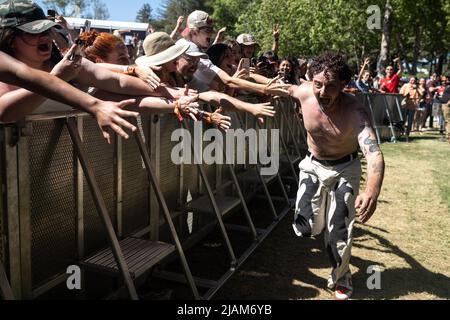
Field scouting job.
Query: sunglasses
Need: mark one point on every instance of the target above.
(207, 29)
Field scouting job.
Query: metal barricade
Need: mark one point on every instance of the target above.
(387, 118)
(49, 218)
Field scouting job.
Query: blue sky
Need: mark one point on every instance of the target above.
(125, 10)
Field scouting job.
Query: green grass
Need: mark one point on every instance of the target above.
(408, 238)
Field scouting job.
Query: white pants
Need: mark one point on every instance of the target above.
(326, 200)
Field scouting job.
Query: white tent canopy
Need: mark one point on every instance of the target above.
(106, 24)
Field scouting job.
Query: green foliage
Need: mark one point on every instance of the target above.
(144, 14)
(421, 28)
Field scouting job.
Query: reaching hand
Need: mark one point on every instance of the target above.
(68, 69)
(223, 122)
(366, 61)
(110, 115)
(146, 74)
(276, 89)
(262, 109)
(189, 104)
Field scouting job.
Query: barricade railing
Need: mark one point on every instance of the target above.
(387, 118)
(55, 209)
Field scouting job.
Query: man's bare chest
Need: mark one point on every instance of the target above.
(320, 124)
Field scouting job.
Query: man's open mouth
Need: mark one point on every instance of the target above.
(324, 102)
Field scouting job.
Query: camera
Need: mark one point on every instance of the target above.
(51, 13)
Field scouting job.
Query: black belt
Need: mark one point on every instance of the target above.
(330, 163)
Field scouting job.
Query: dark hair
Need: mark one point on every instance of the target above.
(290, 77)
(217, 53)
(7, 36)
(265, 68)
(333, 63)
(231, 43)
(270, 55)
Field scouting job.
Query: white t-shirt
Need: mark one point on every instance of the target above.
(205, 74)
(206, 71)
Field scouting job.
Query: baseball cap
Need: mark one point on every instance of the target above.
(199, 19)
(193, 50)
(24, 15)
(246, 39)
(159, 48)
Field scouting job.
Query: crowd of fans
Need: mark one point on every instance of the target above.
(176, 73)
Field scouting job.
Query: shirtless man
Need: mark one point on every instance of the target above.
(330, 175)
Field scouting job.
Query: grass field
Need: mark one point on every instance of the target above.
(408, 238)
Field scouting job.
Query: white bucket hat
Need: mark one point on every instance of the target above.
(159, 49)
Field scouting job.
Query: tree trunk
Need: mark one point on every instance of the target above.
(416, 52)
(403, 51)
(441, 62)
(386, 38)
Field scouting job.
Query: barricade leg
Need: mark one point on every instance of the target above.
(163, 205)
(5, 288)
(101, 208)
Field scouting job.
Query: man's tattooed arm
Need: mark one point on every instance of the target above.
(375, 160)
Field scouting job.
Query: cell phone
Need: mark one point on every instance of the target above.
(78, 49)
(245, 63)
(87, 26)
(51, 13)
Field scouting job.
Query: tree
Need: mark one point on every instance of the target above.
(144, 14)
(386, 38)
(172, 9)
(67, 8)
(99, 10)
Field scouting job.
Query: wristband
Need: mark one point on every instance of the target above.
(177, 111)
(131, 70)
(207, 118)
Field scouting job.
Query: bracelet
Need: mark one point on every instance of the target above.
(131, 70)
(177, 111)
(207, 117)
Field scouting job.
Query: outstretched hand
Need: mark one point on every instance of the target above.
(276, 89)
(148, 75)
(110, 115)
(189, 104)
(223, 122)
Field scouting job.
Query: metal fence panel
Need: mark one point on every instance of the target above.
(101, 156)
(53, 211)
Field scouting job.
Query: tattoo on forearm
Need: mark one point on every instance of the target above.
(378, 168)
(372, 145)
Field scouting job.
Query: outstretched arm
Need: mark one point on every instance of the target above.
(367, 201)
(178, 27)
(363, 68)
(108, 114)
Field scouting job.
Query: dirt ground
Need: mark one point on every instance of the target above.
(408, 239)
